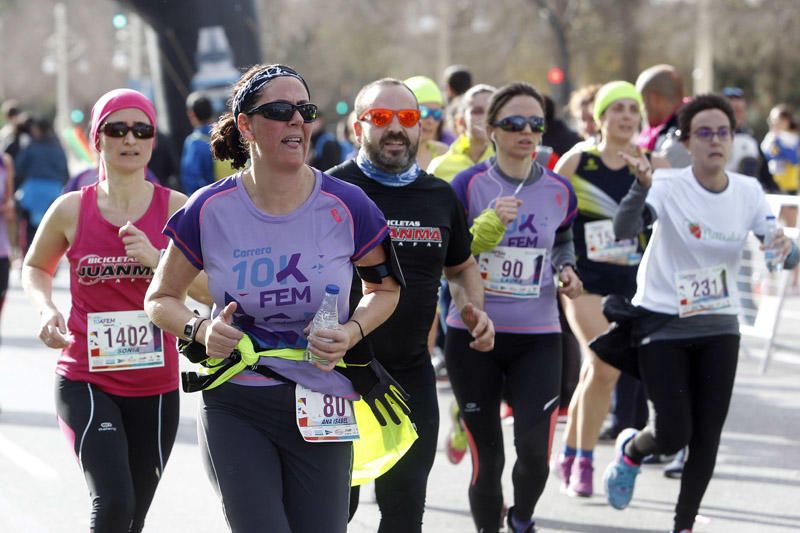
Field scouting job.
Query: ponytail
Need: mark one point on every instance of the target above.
(226, 142)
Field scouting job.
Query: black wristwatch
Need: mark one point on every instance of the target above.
(562, 267)
(191, 327)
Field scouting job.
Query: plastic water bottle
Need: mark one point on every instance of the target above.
(327, 317)
(772, 255)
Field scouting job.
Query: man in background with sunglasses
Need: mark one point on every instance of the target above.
(430, 233)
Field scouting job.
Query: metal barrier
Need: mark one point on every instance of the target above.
(763, 293)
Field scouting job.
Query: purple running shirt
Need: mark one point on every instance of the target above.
(276, 267)
(548, 204)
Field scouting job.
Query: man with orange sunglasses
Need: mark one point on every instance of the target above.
(430, 234)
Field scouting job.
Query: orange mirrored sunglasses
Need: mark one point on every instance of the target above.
(381, 117)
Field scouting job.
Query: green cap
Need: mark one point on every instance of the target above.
(425, 89)
(613, 91)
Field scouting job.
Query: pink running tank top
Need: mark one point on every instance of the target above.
(121, 354)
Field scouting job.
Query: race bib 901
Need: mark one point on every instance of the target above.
(514, 272)
(123, 340)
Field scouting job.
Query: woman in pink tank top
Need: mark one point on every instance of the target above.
(117, 376)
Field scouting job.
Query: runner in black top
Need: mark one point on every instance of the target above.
(430, 234)
(601, 177)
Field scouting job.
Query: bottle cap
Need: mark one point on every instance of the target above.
(332, 289)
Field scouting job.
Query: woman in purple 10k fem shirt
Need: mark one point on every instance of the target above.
(532, 209)
(270, 238)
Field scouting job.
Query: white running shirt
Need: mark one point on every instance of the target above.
(696, 228)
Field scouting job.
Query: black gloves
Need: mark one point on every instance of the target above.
(374, 384)
(192, 350)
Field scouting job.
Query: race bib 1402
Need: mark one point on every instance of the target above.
(123, 340)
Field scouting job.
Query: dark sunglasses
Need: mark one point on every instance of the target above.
(427, 112)
(733, 92)
(380, 117)
(518, 122)
(120, 129)
(284, 111)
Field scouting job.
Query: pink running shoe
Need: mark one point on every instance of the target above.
(580, 480)
(562, 466)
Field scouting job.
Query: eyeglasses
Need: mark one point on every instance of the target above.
(707, 134)
(284, 111)
(120, 129)
(518, 122)
(427, 112)
(380, 117)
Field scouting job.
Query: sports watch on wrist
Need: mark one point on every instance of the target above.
(565, 265)
(190, 329)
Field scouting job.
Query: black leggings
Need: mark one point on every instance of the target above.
(401, 491)
(5, 267)
(267, 476)
(570, 359)
(530, 368)
(689, 383)
(122, 444)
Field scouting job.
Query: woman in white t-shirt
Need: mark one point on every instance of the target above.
(702, 216)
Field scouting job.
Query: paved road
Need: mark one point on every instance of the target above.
(756, 487)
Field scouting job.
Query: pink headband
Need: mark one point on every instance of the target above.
(114, 101)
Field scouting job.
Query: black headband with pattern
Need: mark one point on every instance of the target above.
(259, 81)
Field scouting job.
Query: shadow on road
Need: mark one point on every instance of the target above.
(12, 341)
(733, 514)
(187, 432)
(590, 528)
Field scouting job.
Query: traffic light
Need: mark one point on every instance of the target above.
(119, 21)
(555, 76)
(76, 116)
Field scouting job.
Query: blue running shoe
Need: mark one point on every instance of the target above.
(515, 527)
(620, 476)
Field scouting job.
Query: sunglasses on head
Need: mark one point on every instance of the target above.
(284, 111)
(380, 117)
(120, 129)
(427, 112)
(518, 122)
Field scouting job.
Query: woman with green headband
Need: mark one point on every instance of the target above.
(431, 113)
(601, 178)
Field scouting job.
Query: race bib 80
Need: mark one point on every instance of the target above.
(323, 417)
